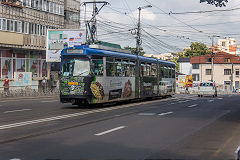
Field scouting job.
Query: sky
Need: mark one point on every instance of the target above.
(162, 32)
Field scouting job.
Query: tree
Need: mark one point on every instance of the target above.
(217, 3)
(174, 60)
(133, 50)
(197, 49)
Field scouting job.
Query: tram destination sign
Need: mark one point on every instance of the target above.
(58, 39)
(74, 51)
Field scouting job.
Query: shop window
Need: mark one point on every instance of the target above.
(34, 65)
(44, 68)
(20, 66)
(7, 67)
(97, 67)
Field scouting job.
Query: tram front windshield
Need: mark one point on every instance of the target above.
(76, 67)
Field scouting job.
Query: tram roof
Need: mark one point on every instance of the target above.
(113, 52)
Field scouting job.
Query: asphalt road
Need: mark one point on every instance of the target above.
(179, 127)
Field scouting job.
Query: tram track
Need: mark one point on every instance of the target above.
(130, 109)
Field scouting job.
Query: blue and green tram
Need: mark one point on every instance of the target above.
(93, 74)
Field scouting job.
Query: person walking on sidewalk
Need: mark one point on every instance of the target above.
(6, 86)
(44, 85)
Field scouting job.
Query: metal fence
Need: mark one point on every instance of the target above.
(221, 89)
(27, 92)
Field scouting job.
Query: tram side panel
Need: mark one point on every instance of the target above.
(107, 89)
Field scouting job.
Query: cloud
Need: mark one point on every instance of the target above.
(145, 14)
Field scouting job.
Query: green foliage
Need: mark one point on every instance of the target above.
(197, 49)
(217, 3)
(133, 50)
(174, 60)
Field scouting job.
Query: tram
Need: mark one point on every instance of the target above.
(92, 74)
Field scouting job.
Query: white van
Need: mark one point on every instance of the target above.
(207, 88)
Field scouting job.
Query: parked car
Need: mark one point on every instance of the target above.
(207, 88)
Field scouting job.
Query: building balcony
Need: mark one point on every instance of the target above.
(13, 3)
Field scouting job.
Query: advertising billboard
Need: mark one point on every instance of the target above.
(58, 39)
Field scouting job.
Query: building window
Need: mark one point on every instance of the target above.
(227, 60)
(195, 66)
(208, 71)
(195, 77)
(237, 72)
(227, 82)
(4, 24)
(19, 26)
(223, 44)
(11, 25)
(227, 71)
(209, 60)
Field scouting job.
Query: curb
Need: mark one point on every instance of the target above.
(22, 98)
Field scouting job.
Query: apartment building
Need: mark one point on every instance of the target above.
(23, 29)
(223, 63)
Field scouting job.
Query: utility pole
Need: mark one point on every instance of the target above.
(212, 57)
(212, 60)
(91, 28)
(138, 46)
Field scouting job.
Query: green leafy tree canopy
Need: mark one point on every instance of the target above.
(217, 3)
(133, 50)
(197, 49)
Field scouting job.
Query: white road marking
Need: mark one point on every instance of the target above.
(219, 98)
(163, 114)
(146, 114)
(20, 110)
(211, 100)
(109, 131)
(49, 101)
(14, 125)
(194, 105)
(15, 159)
(172, 103)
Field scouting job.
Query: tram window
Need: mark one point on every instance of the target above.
(132, 69)
(110, 67)
(98, 67)
(119, 68)
(143, 70)
(154, 70)
(173, 72)
(148, 70)
(161, 71)
(125, 68)
(169, 72)
(165, 70)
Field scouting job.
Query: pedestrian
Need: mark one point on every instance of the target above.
(6, 86)
(44, 84)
